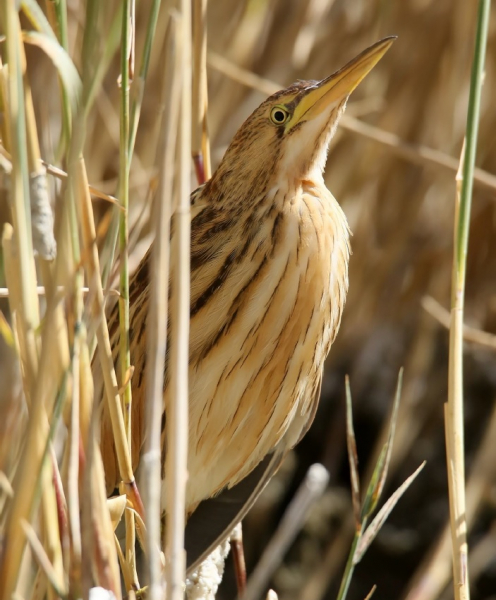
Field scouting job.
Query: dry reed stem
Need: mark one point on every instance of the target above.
(177, 415)
(41, 291)
(453, 409)
(414, 153)
(124, 165)
(46, 566)
(131, 551)
(14, 103)
(200, 146)
(50, 525)
(470, 334)
(62, 175)
(124, 565)
(434, 574)
(44, 244)
(12, 268)
(92, 267)
(41, 212)
(98, 536)
(126, 75)
(54, 345)
(37, 434)
(72, 450)
(238, 552)
(455, 454)
(158, 311)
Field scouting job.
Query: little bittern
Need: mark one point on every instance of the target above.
(269, 277)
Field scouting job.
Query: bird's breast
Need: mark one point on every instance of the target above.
(268, 306)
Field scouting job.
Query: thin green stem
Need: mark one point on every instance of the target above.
(112, 39)
(471, 141)
(138, 87)
(350, 565)
(454, 424)
(139, 83)
(61, 14)
(90, 39)
(125, 359)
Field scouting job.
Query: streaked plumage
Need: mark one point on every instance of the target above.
(269, 277)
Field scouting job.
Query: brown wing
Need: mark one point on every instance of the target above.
(203, 217)
(214, 519)
(313, 407)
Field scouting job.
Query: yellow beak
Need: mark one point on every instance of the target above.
(340, 84)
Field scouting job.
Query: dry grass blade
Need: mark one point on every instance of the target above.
(372, 495)
(43, 560)
(352, 456)
(379, 475)
(378, 521)
(371, 593)
(60, 59)
(116, 506)
(62, 175)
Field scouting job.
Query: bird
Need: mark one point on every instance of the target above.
(270, 248)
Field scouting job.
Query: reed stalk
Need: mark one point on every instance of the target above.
(454, 425)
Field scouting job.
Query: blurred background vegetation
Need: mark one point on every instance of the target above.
(399, 199)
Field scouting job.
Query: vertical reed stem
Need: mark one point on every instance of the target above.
(125, 359)
(157, 331)
(177, 416)
(454, 406)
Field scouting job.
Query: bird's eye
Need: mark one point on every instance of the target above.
(279, 115)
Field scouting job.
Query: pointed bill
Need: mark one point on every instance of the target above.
(339, 85)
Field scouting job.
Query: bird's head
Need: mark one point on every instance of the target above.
(287, 137)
